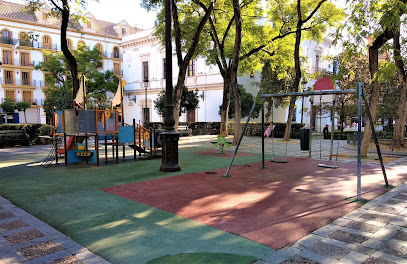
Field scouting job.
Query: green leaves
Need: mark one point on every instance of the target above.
(189, 101)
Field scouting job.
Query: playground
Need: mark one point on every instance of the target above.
(132, 213)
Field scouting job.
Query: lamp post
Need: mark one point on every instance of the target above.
(145, 82)
(303, 84)
(169, 138)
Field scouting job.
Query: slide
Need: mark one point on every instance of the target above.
(62, 150)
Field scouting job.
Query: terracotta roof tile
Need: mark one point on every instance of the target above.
(16, 12)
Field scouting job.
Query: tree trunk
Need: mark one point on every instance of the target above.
(374, 100)
(297, 68)
(375, 91)
(65, 50)
(177, 96)
(400, 120)
(269, 109)
(225, 106)
(184, 62)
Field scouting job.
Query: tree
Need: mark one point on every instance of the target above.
(313, 18)
(274, 80)
(379, 22)
(189, 19)
(22, 106)
(59, 92)
(62, 9)
(246, 104)
(189, 101)
(8, 106)
(351, 71)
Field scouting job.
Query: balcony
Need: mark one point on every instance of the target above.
(8, 81)
(18, 62)
(112, 55)
(31, 101)
(320, 70)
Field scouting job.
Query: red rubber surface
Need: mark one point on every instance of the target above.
(274, 206)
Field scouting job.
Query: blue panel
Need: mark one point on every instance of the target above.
(59, 122)
(102, 135)
(126, 134)
(16, 118)
(72, 158)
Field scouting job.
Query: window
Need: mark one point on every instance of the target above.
(24, 59)
(317, 62)
(191, 68)
(191, 116)
(44, 58)
(6, 36)
(81, 43)
(99, 47)
(145, 71)
(123, 31)
(101, 65)
(164, 70)
(27, 97)
(69, 43)
(44, 16)
(7, 57)
(117, 69)
(146, 114)
(46, 42)
(116, 53)
(89, 24)
(25, 78)
(24, 39)
(8, 77)
(11, 94)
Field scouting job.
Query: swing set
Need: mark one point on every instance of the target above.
(359, 91)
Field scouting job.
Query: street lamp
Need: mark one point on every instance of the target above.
(169, 138)
(303, 84)
(145, 82)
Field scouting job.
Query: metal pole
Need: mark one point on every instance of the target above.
(169, 157)
(359, 139)
(332, 127)
(240, 139)
(262, 136)
(302, 109)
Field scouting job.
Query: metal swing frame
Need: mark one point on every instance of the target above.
(359, 95)
(320, 164)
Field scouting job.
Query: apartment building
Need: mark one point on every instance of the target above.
(24, 37)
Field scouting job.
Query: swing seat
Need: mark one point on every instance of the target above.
(327, 166)
(279, 161)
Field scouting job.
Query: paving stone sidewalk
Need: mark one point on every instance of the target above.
(25, 239)
(374, 233)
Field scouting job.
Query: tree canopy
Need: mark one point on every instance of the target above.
(59, 81)
(189, 101)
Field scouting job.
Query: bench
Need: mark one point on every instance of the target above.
(10, 138)
(184, 130)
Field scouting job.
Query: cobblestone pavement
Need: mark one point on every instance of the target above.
(374, 233)
(25, 239)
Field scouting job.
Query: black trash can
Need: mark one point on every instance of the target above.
(304, 138)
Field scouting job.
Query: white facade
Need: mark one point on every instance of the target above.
(144, 47)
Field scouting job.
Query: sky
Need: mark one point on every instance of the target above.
(117, 10)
